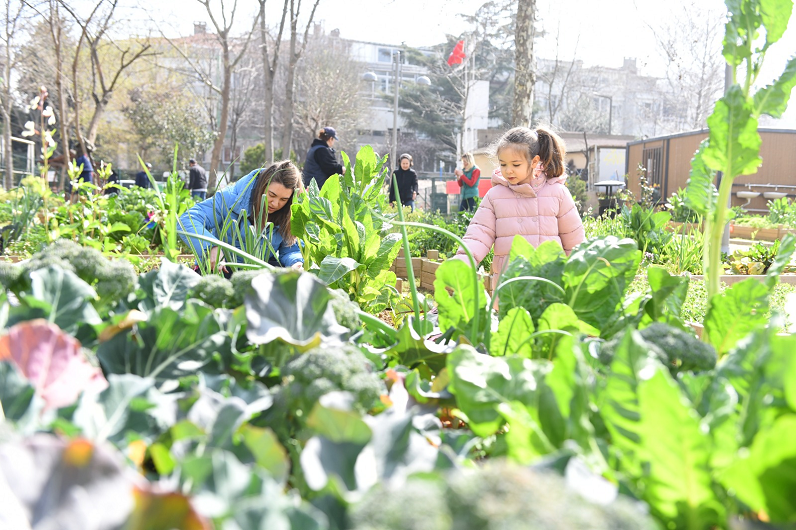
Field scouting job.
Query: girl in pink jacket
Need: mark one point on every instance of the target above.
(528, 198)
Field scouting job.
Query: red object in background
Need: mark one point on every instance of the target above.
(457, 55)
(453, 188)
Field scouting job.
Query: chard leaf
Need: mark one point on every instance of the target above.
(701, 192)
(513, 334)
(458, 299)
(678, 483)
(596, 276)
(481, 383)
(773, 99)
(668, 294)
(734, 145)
(332, 269)
(735, 313)
(765, 477)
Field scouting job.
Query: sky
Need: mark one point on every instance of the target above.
(599, 33)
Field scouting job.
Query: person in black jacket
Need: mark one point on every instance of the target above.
(142, 179)
(407, 182)
(197, 181)
(321, 162)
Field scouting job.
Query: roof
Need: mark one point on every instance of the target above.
(704, 132)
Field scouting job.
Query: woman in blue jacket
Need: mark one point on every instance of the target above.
(263, 196)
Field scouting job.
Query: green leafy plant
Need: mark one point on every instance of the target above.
(345, 230)
(733, 146)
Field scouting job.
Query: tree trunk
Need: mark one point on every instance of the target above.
(218, 145)
(268, 82)
(287, 134)
(8, 151)
(93, 127)
(63, 120)
(7, 108)
(525, 74)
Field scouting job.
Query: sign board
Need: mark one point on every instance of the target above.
(610, 164)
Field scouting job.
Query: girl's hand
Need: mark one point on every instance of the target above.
(297, 266)
(214, 260)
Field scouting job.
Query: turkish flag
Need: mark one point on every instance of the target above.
(457, 55)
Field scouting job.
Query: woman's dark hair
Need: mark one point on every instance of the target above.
(289, 176)
(542, 142)
(324, 136)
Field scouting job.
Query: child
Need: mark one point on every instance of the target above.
(528, 198)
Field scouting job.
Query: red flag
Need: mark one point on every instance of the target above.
(457, 55)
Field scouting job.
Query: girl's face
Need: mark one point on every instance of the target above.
(514, 166)
(278, 195)
(465, 163)
(404, 164)
(330, 142)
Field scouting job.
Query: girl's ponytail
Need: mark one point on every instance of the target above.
(551, 152)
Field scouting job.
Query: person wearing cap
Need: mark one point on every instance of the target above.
(321, 162)
(197, 181)
(406, 178)
(142, 179)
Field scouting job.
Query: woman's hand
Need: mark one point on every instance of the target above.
(297, 266)
(214, 260)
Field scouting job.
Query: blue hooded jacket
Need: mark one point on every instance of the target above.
(208, 217)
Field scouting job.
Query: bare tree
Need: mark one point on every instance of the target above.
(525, 75)
(270, 64)
(296, 51)
(691, 45)
(12, 16)
(557, 78)
(327, 58)
(232, 52)
(105, 78)
(241, 106)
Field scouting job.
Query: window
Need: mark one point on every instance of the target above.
(652, 158)
(385, 55)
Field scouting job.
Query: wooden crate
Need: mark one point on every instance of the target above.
(433, 254)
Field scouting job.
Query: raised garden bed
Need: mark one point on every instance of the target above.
(765, 234)
(426, 270)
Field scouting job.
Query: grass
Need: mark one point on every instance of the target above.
(696, 303)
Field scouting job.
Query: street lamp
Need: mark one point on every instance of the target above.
(421, 80)
(610, 110)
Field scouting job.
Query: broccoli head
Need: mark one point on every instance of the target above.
(9, 274)
(214, 290)
(345, 311)
(677, 350)
(113, 280)
(496, 496)
(338, 367)
(241, 283)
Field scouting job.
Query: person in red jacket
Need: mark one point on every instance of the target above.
(468, 182)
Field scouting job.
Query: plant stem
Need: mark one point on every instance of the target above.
(473, 264)
(410, 273)
(716, 234)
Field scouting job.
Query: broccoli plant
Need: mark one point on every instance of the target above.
(677, 350)
(214, 290)
(113, 280)
(332, 367)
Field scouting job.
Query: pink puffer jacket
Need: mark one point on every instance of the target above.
(540, 211)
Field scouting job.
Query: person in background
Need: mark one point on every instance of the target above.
(197, 180)
(266, 196)
(407, 182)
(321, 162)
(112, 186)
(528, 198)
(468, 182)
(87, 175)
(142, 179)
